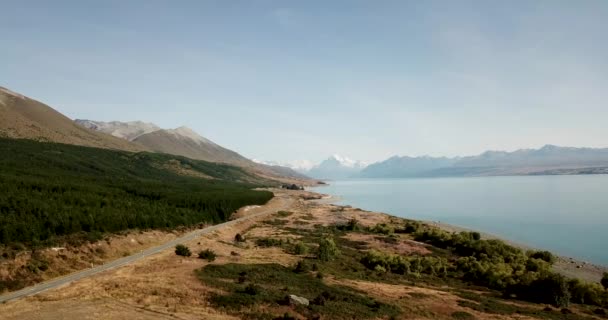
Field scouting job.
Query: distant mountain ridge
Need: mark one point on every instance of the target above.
(549, 159)
(184, 141)
(336, 167)
(124, 130)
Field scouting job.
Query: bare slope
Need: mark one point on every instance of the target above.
(185, 142)
(125, 130)
(22, 117)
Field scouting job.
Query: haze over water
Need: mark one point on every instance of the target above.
(567, 215)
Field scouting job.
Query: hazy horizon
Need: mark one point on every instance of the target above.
(284, 81)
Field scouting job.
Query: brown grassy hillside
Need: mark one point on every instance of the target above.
(22, 117)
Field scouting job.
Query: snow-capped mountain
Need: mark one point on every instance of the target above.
(549, 159)
(302, 166)
(334, 167)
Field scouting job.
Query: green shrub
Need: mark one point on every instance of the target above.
(182, 250)
(300, 248)
(383, 262)
(301, 267)
(327, 250)
(269, 242)
(410, 227)
(252, 289)
(383, 228)
(207, 254)
(462, 315)
(351, 225)
(604, 280)
(284, 214)
(285, 316)
(543, 255)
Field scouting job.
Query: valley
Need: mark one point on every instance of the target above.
(282, 242)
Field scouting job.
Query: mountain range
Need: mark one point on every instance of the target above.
(333, 168)
(25, 118)
(184, 141)
(549, 159)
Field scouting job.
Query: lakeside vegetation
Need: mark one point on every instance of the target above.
(488, 276)
(50, 190)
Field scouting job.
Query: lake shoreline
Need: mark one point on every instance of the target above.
(567, 266)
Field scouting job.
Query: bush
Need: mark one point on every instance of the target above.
(604, 280)
(284, 214)
(300, 248)
(269, 242)
(543, 255)
(383, 228)
(351, 225)
(327, 250)
(285, 316)
(182, 250)
(207, 254)
(462, 315)
(410, 227)
(252, 289)
(239, 238)
(301, 267)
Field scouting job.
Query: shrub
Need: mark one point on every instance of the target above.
(285, 316)
(269, 242)
(252, 289)
(410, 227)
(182, 250)
(284, 214)
(301, 267)
(383, 228)
(543, 255)
(327, 250)
(604, 280)
(239, 238)
(300, 248)
(351, 225)
(207, 254)
(462, 315)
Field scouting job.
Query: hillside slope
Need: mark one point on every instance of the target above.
(22, 117)
(185, 142)
(93, 189)
(124, 130)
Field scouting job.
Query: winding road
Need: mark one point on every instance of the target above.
(283, 203)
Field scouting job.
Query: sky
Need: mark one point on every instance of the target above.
(288, 80)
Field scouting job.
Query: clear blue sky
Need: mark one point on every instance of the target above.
(285, 80)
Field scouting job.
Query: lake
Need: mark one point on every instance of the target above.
(567, 215)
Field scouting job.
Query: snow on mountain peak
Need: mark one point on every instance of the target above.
(347, 162)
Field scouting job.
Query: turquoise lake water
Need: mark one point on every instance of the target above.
(567, 215)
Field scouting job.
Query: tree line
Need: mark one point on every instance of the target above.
(49, 190)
